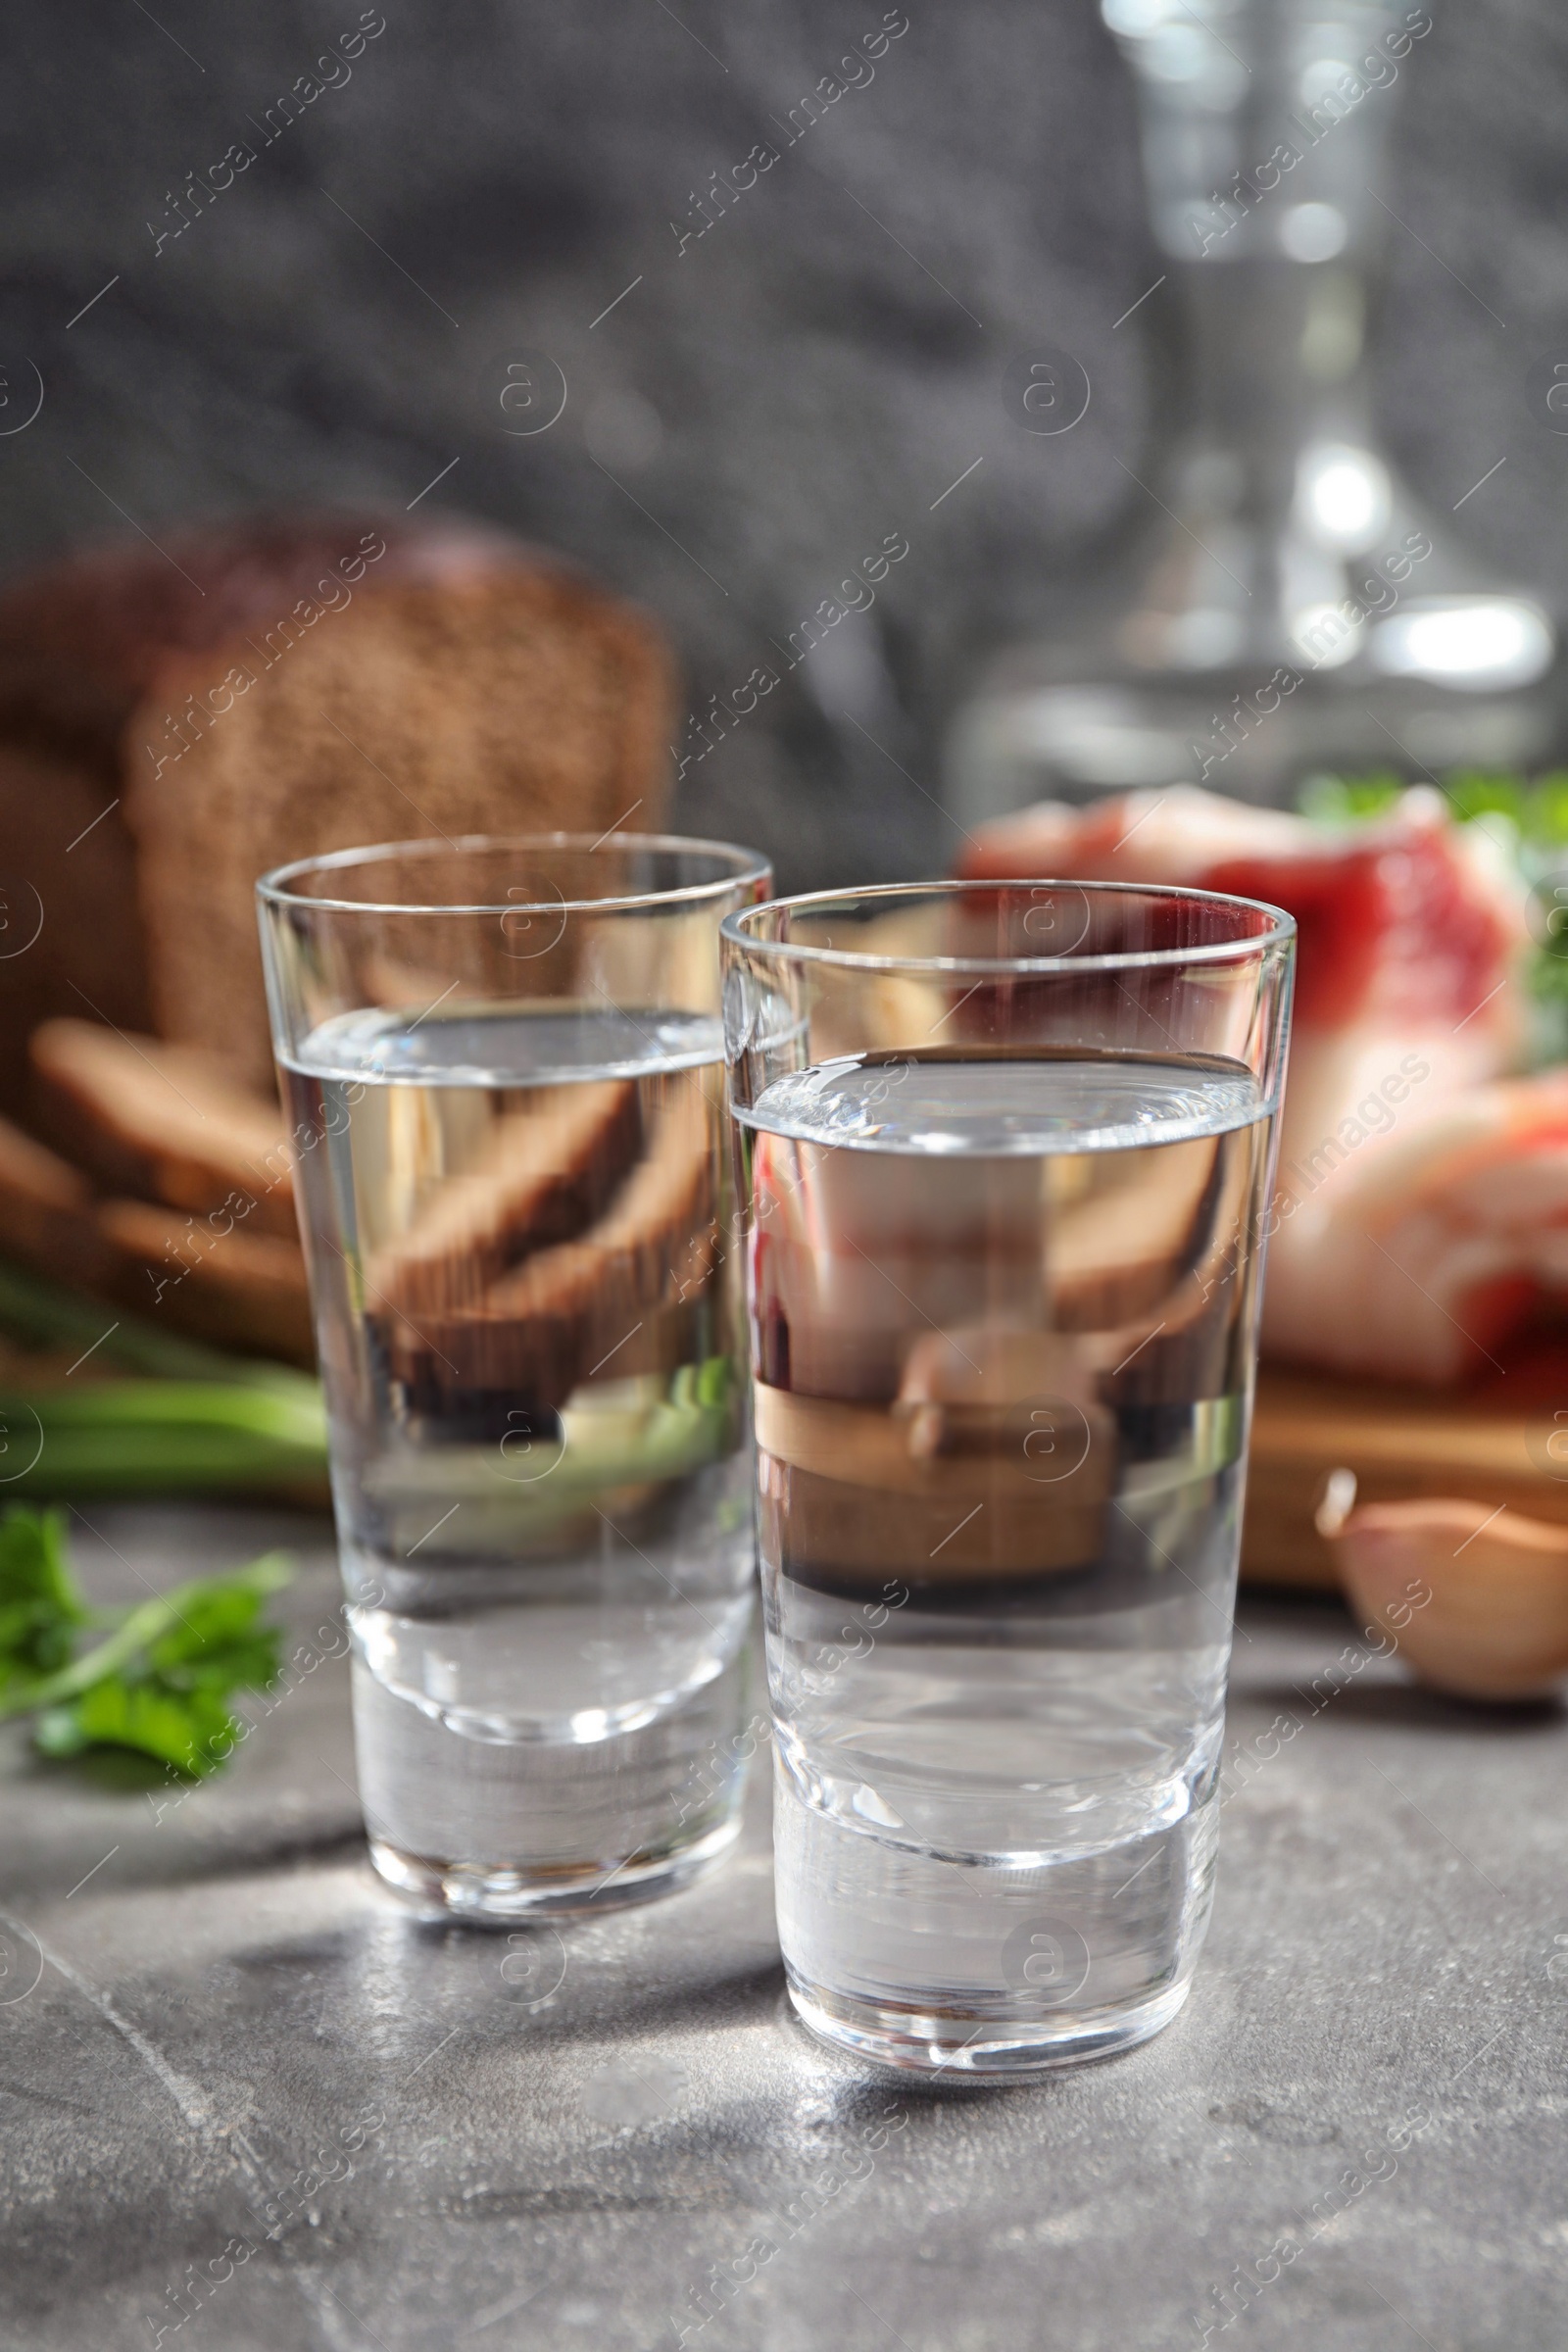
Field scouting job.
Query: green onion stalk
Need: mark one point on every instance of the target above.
(185, 1420)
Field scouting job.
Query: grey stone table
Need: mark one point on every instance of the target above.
(248, 2101)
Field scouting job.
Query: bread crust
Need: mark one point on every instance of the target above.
(560, 1316)
(183, 720)
(83, 640)
(235, 1288)
(164, 1122)
(363, 726)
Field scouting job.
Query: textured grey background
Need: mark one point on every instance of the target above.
(561, 2135)
(802, 381)
(228, 1990)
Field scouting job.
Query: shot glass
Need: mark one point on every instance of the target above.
(502, 1066)
(1005, 1152)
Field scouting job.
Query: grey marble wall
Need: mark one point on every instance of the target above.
(765, 404)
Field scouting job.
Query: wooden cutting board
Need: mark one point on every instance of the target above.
(1400, 1443)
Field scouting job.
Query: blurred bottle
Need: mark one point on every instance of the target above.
(1288, 605)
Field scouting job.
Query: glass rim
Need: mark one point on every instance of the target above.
(1282, 929)
(746, 865)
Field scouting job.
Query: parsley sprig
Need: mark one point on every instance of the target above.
(161, 1678)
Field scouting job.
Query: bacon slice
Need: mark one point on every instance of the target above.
(855, 1255)
(1410, 1004)
(1422, 1261)
(1410, 922)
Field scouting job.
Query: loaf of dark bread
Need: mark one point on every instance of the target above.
(174, 720)
(177, 720)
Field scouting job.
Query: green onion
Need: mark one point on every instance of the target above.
(202, 1423)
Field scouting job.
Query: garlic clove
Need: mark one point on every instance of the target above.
(1476, 1599)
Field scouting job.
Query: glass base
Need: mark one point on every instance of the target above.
(993, 2052)
(495, 1894)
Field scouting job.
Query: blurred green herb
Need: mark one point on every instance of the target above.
(1345, 799)
(1537, 811)
(160, 1680)
(188, 1420)
(40, 1607)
